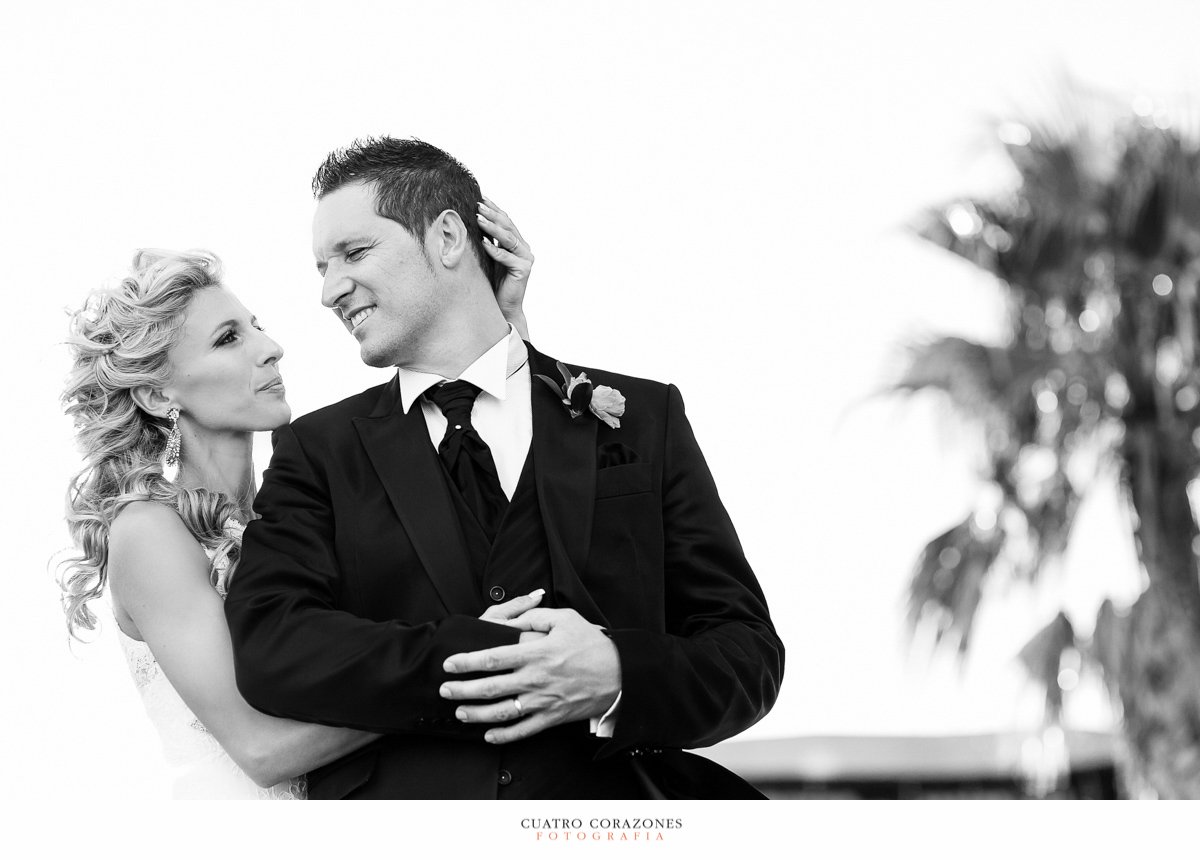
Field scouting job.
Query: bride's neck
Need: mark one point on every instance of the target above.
(221, 464)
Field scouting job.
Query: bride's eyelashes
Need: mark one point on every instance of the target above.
(230, 335)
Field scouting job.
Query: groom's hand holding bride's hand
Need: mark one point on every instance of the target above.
(563, 669)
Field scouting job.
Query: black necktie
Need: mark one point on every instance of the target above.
(467, 457)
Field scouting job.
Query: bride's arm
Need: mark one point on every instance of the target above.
(159, 577)
(509, 249)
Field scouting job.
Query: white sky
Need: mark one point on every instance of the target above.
(714, 193)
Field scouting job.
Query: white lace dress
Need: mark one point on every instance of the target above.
(201, 769)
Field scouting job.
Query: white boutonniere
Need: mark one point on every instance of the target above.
(579, 395)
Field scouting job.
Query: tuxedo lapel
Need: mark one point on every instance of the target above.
(399, 448)
(564, 456)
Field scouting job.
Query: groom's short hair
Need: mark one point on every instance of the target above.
(414, 182)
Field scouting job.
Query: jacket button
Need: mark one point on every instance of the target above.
(496, 593)
(504, 777)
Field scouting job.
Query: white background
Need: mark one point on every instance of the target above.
(716, 194)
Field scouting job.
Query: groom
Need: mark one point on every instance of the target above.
(482, 471)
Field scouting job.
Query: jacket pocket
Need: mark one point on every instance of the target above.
(623, 480)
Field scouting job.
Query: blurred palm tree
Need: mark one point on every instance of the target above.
(1097, 249)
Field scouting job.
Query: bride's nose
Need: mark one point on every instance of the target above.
(271, 352)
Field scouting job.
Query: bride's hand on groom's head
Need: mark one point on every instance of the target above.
(505, 612)
(510, 250)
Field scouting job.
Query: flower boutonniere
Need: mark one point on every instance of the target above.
(579, 395)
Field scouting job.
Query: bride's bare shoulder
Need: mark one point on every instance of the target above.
(142, 521)
(153, 562)
(148, 537)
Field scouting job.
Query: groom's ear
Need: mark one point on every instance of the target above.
(151, 400)
(449, 238)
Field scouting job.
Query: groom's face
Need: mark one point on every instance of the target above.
(378, 279)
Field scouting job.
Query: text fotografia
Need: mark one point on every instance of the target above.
(600, 829)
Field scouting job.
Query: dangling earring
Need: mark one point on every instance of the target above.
(173, 438)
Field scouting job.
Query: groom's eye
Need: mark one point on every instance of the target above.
(355, 254)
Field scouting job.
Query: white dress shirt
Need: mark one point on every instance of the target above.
(503, 418)
(502, 414)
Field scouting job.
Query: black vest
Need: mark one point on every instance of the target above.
(519, 559)
(549, 764)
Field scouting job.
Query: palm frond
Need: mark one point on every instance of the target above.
(1042, 658)
(948, 579)
(973, 375)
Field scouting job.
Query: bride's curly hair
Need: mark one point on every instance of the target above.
(119, 340)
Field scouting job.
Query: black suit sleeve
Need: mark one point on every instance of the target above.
(296, 655)
(717, 667)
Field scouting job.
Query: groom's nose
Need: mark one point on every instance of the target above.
(335, 286)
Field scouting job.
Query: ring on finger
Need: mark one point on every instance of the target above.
(517, 706)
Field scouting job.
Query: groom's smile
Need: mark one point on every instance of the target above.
(354, 318)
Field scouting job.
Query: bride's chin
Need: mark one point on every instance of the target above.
(280, 417)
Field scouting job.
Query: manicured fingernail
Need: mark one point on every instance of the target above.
(460, 715)
(444, 691)
(537, 593)
(480, 218)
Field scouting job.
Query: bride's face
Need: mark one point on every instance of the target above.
(224, 369)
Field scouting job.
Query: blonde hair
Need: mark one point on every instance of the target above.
(119, 341)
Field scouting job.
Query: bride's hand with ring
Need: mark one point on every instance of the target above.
(510, 250)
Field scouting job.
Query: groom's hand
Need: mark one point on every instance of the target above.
(563, 669)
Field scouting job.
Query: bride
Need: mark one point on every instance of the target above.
(170, 368)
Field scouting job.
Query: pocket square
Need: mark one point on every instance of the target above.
(615, 454)
(624, 480)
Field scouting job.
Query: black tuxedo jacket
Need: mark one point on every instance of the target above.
(350, 593)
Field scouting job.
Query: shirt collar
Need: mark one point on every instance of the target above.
(490, 371)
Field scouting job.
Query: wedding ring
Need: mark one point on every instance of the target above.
(517, 706)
